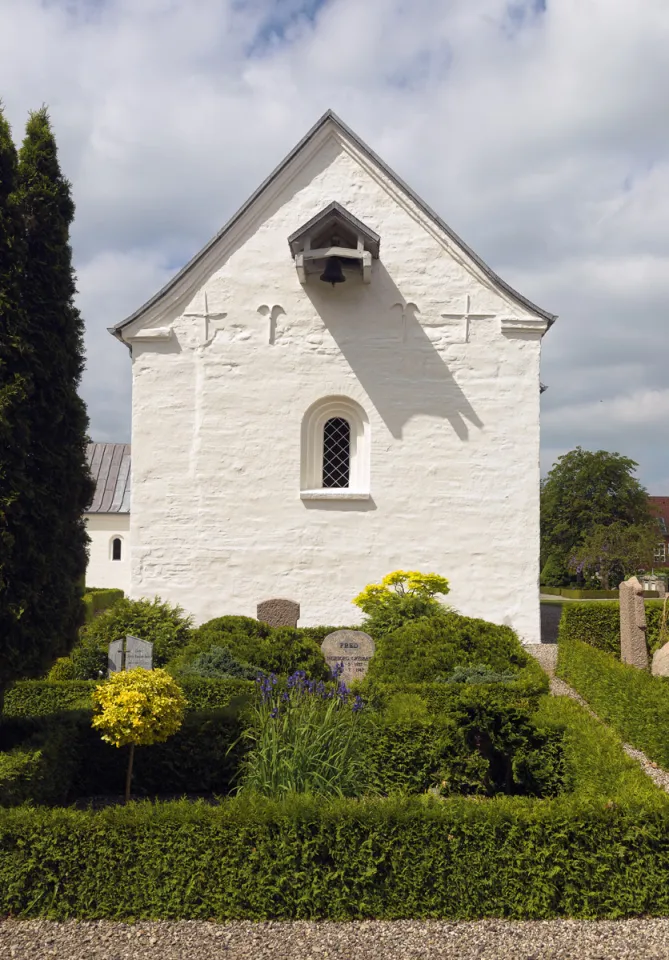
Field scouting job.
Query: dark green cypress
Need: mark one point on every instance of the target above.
(58, 482)
(16, 543)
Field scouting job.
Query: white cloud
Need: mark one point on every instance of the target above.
(539, 135)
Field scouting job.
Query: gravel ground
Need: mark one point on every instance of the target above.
(546, 654)
(641, 939)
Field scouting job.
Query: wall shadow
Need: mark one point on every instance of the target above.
(389, 352)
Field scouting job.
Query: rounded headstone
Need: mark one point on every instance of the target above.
(279, 612)
(353, 648)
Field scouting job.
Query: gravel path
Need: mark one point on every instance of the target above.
(639, 939)
(546, 654)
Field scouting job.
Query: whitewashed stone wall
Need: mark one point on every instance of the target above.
(102, 571)
(217, 519)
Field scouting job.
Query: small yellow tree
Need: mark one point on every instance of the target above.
(137, 707)
(402, 595)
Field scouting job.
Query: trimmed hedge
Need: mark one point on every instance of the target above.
(635, 703)
(601, 853)
(40, 698)
(98, 599)
(598, 624)
(590, 594)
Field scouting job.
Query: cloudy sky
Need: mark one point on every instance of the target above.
(539, 130)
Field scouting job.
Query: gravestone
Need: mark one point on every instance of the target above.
(660, 664)
(115, 657)
(633, 648)
(278, 612)
(138, 653)
(353, 648)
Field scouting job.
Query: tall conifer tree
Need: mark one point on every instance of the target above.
(56, 470)
(16, 542)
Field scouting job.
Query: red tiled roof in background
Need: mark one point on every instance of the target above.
(660, 508)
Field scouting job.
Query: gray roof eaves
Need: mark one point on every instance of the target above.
(331, 116)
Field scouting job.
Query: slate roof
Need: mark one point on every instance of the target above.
(331, 117)
(110, 466)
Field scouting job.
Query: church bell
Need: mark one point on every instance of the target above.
(333, 272)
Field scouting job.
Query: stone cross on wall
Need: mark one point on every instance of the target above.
(633, 649)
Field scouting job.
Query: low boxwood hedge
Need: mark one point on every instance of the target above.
(97, 599)
(598, 624)
(601, 852)
(635, 703)
(40, 698)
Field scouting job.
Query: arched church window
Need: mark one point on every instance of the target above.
(117, 548)
(336, 452)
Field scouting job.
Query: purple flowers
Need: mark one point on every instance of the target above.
(300, 688)
(266, 683)
(337, 670)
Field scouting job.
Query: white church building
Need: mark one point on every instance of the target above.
(335, 387)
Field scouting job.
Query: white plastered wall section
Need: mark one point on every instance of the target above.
(102, 570)
(453, 407)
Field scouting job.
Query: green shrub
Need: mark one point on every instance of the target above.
(282, 650)
(427, 650)
(164, 625)
(598, 624)
(479, 747)
(219, 662)
(480, 673)
(88, 660)
(41, 766)
(635, 703)
(19, 769)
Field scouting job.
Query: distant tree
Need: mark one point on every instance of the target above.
(17, 589)
(585, 490)
(615, 552)
(45, 572)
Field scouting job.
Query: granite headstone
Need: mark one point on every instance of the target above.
(633, 649)
(115, 656)
(279, 612)
(353, 648)
(138, 653)
(660, 664)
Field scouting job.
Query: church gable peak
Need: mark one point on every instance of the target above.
(333, 234)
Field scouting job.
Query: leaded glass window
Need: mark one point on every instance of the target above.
(336, 452)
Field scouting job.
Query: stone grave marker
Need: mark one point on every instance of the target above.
(279, 612)
(115, 657)
(633, 649)
(660, 664)
(138, 653)
(353, 648)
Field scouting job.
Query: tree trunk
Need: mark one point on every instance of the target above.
(128, 778)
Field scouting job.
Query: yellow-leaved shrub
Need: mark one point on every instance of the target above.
(138, 707)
